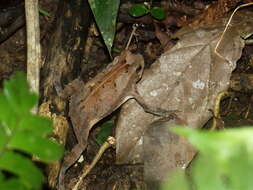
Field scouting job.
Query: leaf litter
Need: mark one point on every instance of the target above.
(188, 78)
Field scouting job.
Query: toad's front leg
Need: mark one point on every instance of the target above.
(152, 109)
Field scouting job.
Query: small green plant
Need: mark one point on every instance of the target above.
(105, 13)
(23, 135)
(44, 12)
(139, 10)
(224, 162)
(104, 132)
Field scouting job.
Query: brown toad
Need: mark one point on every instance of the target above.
(91, 102)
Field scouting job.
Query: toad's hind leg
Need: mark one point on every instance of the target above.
(69, 159)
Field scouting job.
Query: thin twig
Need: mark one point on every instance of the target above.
(135, 26)
(229, 21)
(109, 143)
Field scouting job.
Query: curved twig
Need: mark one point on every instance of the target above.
(229, 21)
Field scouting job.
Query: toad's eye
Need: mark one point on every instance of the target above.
(138, 69)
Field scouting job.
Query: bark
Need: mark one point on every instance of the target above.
(65, 49)
(64, 55)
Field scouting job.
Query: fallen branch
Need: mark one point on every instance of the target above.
(109, 143)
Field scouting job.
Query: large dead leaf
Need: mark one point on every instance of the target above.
(187, 78)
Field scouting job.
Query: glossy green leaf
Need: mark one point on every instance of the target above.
(104, 132)
(18, 95)
(138, 10)
(41, 147)
(12, 183)
(105, 13)
(23, 167)
(157, 13)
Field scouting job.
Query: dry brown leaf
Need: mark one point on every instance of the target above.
(187, 78)
(164, 152)
(212, 13)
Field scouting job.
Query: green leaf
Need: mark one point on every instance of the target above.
(105, 132)
(44, 12)
(105, 13)
(23, 167)
(18, 95)
(234, 172)
(3, 137)
(157, 13)
(231, 139)
(8, 117)
(138, 10)
(177, 181)
(1, 177)
(38, 124)
(13, 183)
(21, 132)
(45, 149)
(226, 155)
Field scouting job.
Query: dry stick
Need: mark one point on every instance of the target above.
(111, 141)
(229, 21)
(135, 26)
(33, 46)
